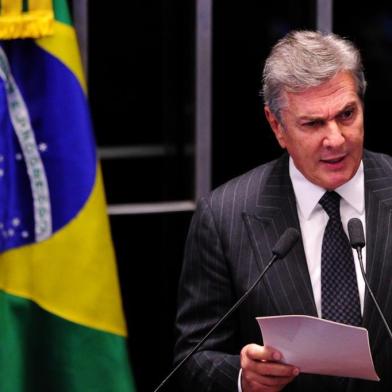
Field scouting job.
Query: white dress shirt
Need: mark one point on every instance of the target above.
(313, 220)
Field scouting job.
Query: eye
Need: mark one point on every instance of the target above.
(313, 124)
(346, 114)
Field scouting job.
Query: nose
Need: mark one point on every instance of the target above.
(334, 136)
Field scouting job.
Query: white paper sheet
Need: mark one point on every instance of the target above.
(320, 346)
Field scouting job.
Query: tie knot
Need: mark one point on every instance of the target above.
(331, 204)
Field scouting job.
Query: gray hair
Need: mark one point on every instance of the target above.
(304, 59)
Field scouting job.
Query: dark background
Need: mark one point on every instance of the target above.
(141, 89)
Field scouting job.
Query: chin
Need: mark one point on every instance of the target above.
(335, 183)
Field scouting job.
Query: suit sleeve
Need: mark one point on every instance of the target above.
(205, 294)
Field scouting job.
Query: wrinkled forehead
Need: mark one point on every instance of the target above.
(320, 101)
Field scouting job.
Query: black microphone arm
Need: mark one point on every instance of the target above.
(357, 241)
(281, 248)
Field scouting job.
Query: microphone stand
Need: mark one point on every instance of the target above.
(357, 240)
(281, 248)
(359, 252)
(220, 321)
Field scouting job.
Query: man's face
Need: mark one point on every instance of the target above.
(323, 131)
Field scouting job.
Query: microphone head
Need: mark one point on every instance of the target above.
(355, 233)
(285, 242)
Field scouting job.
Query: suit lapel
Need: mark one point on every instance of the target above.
(287, 281)
(378, 201)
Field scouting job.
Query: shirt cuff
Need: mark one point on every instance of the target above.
(239, 381)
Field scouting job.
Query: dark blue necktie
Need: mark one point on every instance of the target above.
(339, 289)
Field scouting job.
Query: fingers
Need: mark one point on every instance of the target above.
(271, 382)
(252, 382)
(261, 353)
(261, 370)
(264, 361)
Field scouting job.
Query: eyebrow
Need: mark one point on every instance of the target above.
(350, 105)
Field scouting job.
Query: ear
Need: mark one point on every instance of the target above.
(275, 126)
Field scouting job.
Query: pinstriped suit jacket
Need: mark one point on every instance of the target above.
(229, 242)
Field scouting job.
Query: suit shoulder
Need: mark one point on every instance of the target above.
(244, 188)
(378, 161)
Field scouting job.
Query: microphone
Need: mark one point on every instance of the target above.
(280, 250)
(357, 241)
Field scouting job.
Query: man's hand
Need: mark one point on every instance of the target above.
(261, 370)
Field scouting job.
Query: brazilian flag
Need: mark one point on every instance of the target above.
(61, 322)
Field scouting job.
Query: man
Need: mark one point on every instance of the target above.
(313, 91)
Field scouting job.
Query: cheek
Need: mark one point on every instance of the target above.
(304, 146)
(356, 131)
(307, 148)
(355, 142)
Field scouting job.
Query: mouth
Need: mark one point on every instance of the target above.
(334, 160)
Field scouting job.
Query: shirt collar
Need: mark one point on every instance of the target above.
(308, 194)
